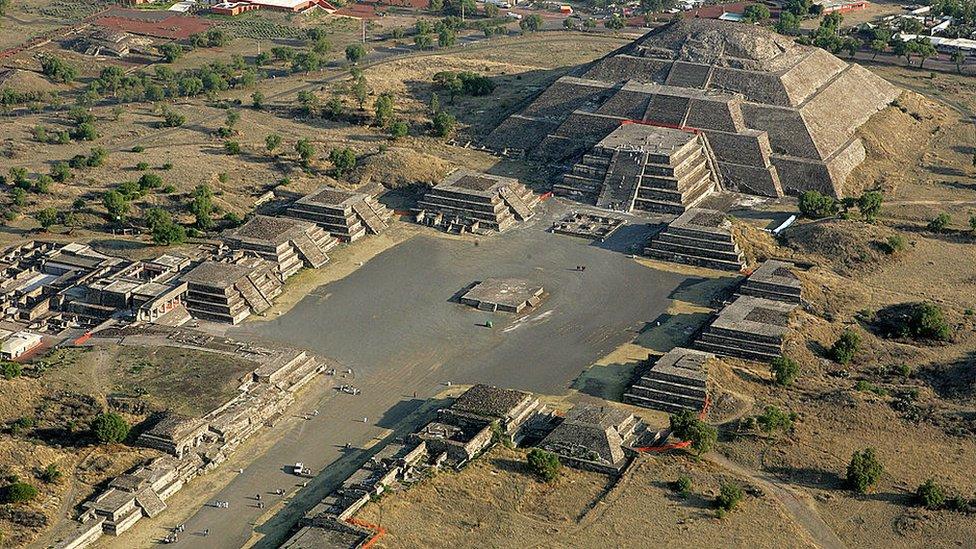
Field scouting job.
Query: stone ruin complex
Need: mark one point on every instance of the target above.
(779, 116)
(644, 167)
(675, 382)
(594, 437)
(230, 292)
(773, 280)
(587, 225)
(467, 201)
(289, 243)
(510, 295)
(750, 327)
(346, 215)
(698, 237)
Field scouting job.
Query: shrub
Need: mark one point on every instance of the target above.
(61, 172)
(844, 349)
(51, 474)
(167, 166)
(142, 166)
(815, 205)
(895, 243)
(687, 426)
(940, 223)
(930, 495)
(869, 204)
(864, 470)
(785, 370)
(47, 217)
(110, 427)
(344, 160)
(17, 492)
(443, 124)
(399, 129)
(729, 497)
(232, 147)
(774, 419)
(927, 321)
(138, 149)
(150, 181)
(544, 464)
(682, 486)
(10, 370)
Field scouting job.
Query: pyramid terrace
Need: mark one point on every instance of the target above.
(467, 201)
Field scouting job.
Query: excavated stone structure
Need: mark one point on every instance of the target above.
(773, 280)
(229, 292)
(476, 202)
(698, 237)
(779, 116)
(677, 381)
(751, 328)
(290, 243)
(347, 216)
(644, 167)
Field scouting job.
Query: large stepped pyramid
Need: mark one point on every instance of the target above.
(644, 167)
(698, 237)
(476, 202)
(677, 381)
(346, 215)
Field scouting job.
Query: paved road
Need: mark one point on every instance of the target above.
(393, 323)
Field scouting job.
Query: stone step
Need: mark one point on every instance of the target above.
(677, 384)
(735, 352)
(694, 260)
(653, 404)
(741, 340)
(666, 395)
(776, 296)
(656, 206)
(311, 251)
(682, 239)
(721, 255)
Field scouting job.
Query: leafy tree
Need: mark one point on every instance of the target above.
(491, 10)
(399, 129)
(19, 196)
(257, 100)
(334, 108)
(355, 53)
(110, 428)
(756, 13)
(58, 70)
(384, 110)
(96, 157)
(729, 497)
(360, 90)
(958, 57)
(869, 204)
(773, 419)
(940, 223)
(322, 46)
(864, 470)
(447, 37)
(343, 160)
(309, 102)
(687, 426)
(282, 53)
(173, 119)
(544, 464)
(171, 52)
(232, 147)
(43, 184)
(877, 46)
(306, 62)
(305, 150)
(10, 370)
(423, 41)
(923, 48)
(531, 23)
(844, 349)
(798, 8)
(201, 206)
(116, 204)
(443, 124)
(17, 492)
(682, 486)
(47, 217)
(816, 206)
(168, 233)
(272, 141)
(85, 132)
(61, 172)
(233, 117)
(930, 495)
(785, 370)
(614, 23)
(927, 321)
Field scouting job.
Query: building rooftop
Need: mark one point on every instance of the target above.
(271, 230)
(490, 401)
(684, 363)
(217, 274)
(331, 196)
(700, 219)
(647, 138)
(469, 182)
(174, 426)
(776, 272)
(755, 315)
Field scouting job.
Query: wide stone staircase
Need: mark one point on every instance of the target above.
(698, 237)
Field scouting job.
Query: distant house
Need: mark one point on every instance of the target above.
(843, 6)
(19, 344)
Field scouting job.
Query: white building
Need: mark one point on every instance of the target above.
(19, 344)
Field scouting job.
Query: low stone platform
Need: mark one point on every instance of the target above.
(587, 225)
(476, 202)
(773, 280)
(346, 215)
(675, 382)
(290, 243)
(750, 327)
(698, 237)
(510, 295)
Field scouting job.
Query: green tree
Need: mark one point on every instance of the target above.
(924, 49)
(816, 206)
(355, 53)
(423, 41)
(257, 100)
(729, 497)
(173, 119)
(940, 223)
(51, 474)
(201, 206)
(360, 90)
(447, 37)
(927, 321)
(384, 110)
(116, 204)
(614, 23)
(544, 464)
(785, 370)
(343, 160)
(686, 425)
(148, 181)
(531, 23)
(57, 69)
(443, 124)
(491, 10)
(877, 46)
(110, 428)
(799, 8)
(171, 52)
(844, 349)
(309, 103)
(864, 470)
(96, 157)
(958, 57)
(399, 129)
(683, 486)
(85, 132)
(10, 369)
(773, 419)
(305, 150)
(272, 141)
(232, 147)
(869, 204)
(47, 217)
(168, 233)
(930, 495)
(17, 492)
(756, 13)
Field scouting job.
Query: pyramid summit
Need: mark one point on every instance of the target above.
(780, 118)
